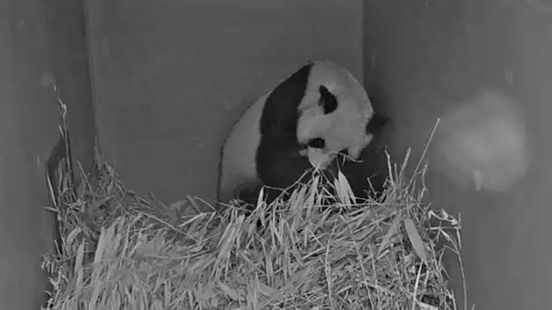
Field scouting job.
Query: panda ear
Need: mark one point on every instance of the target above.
(376, 123)
(327, 100)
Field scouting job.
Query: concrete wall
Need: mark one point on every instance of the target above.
(171, 77)
(469, 62)
(39, 43)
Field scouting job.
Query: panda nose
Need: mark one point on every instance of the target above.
(317, 143)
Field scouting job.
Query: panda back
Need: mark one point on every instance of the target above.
(238, 171)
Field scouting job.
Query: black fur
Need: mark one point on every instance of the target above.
(376, 124)
(372, 162)
(278, 161)
(327, 100)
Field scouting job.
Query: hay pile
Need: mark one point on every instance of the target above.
(120, 250)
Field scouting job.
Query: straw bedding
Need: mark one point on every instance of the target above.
(121, 250)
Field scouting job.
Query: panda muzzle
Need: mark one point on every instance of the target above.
(320, 159)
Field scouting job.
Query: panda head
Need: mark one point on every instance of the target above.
(334, 115)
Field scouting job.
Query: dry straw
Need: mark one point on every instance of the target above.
(315, 250)
(120, 250)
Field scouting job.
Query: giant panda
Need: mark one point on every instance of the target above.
(319, 111)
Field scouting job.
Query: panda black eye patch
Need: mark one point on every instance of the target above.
(316, 143)
(327, 100)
